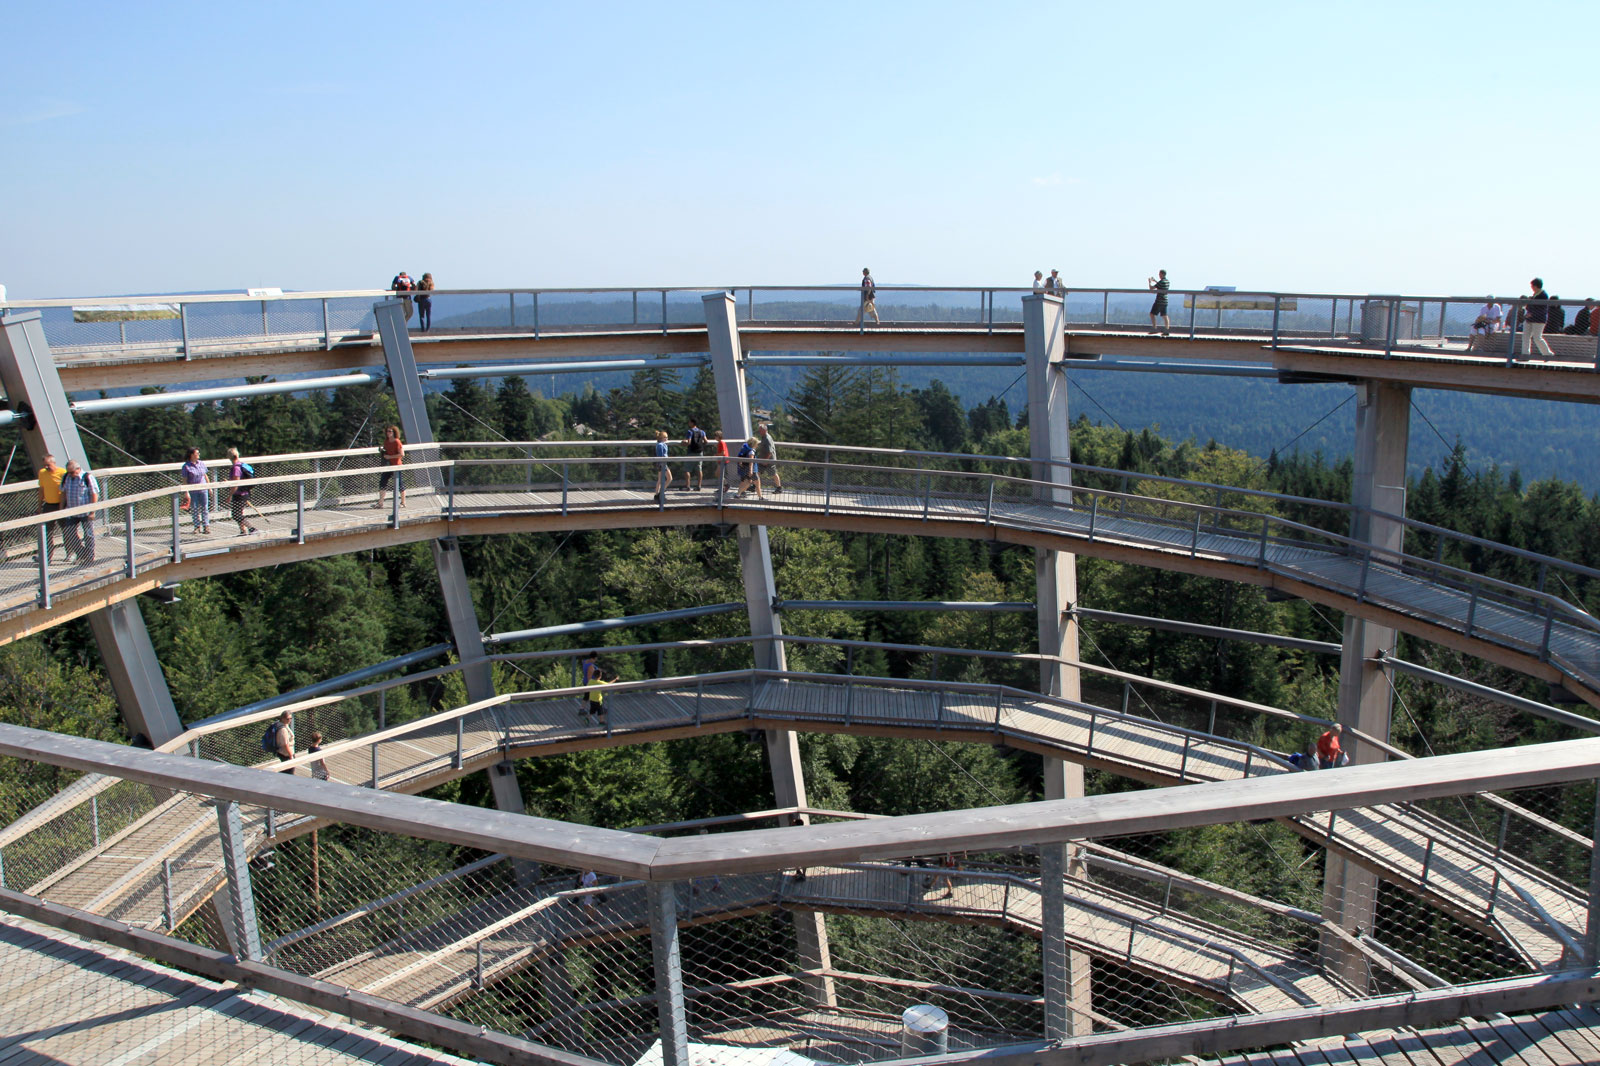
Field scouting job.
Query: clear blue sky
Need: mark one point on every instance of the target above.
(1421, 147)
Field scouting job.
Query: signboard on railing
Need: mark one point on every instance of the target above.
(1229, 302)
(140, 312)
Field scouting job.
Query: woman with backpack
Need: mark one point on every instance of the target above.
(238, 472)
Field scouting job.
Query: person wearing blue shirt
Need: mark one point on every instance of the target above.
(663, 472)
(749, 470)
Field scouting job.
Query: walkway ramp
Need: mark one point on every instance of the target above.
(69, 1001)
(1524, 627)
(127, 876)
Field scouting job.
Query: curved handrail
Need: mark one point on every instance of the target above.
(1245, 542)
(850, 288)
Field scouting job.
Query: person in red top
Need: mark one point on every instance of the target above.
(719, 447)
(393, 451)
(1329, 752)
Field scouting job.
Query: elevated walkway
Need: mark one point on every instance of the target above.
(1547, 1038)
(220, 337)
(165, 863)
(68, 1001)
(311, 515)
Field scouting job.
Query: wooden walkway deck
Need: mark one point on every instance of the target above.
(1469, 877)
(1548, 1038)
(1487, 622)
(68, 1001)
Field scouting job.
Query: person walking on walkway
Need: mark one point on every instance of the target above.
(663, 471)
(425, 302)
(749, 469)
(1534, 315)
(283, 739)
(695, 443)
(393, 451)
(78, 488)
(767, 453)
(596, 696)
(50, 477)
(319, 769)
(1160, 285)
(240, 473)
(869, 298)
(719, 448)
(194, 473)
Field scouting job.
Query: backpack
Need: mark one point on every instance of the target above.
(697, 441)
(269, 739)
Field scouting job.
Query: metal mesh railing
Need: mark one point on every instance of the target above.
(1492, 327)
(1158, 928)
(138, 530)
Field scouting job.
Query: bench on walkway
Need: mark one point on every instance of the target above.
(1567, 347)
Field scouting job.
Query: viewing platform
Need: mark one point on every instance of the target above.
(1418, 341)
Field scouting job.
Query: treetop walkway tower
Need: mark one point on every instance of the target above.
(1073, 933)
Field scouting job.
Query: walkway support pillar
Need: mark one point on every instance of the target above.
(238, 912)
(672, 1019)
(1383, 427)
(1066, 973)
(28, 372)
(761, 597)
(456, 593)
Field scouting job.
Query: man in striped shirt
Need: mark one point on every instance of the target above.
(1159, 286)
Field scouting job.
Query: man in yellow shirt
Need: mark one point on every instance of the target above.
(50, 476)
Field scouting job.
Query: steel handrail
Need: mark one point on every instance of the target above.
(1519, 594)
(849, 288)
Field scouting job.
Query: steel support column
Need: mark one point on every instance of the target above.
(238, 911)
(453, 587)
(1066, 973)
(1383, 426)
(761, 597)
(672, 1019)
(28, 372)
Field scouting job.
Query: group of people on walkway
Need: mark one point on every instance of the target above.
(404, 286)
(1542, 314)
(198, 502)
(65, 488)
(756, 456)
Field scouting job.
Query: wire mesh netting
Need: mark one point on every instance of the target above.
(825, 959)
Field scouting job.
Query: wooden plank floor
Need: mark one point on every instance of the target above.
(1448, 866)
(66, 1001)
(1157, 527)
(1548, 1038)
